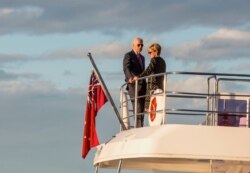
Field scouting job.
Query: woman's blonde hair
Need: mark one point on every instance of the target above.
(155, 47)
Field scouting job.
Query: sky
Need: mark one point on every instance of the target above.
(45, 71)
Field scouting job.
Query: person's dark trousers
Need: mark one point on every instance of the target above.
(140, 103)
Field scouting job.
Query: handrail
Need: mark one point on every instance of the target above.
(208, 74)
(210, 97)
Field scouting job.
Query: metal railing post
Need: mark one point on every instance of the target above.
(97, 168)
(136, 102)
(164, 98)
(119, 166)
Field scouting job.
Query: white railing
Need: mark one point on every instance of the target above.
(207, 96)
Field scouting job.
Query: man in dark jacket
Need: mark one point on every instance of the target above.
(133, 65)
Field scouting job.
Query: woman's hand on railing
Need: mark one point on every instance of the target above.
(132, 79)
(135, 78)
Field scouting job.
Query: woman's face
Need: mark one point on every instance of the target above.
(152, 53)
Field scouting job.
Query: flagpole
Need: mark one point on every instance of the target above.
(107, 92)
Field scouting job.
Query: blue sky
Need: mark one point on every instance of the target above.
(44, 68)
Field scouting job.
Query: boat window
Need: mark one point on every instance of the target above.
(232, 112)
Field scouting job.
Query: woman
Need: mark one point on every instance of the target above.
(157, 65)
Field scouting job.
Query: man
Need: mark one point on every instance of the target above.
(133, 65)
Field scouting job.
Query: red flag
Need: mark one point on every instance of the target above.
(96, 98)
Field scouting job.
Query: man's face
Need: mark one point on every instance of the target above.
(138, 45)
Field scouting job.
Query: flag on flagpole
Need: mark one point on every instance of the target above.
(96, 99)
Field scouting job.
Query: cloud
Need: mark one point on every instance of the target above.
(19, 87)
(71, 53)
(103, 50)
(193, 83)
(242, 67)
(12, 76)
(75, 53)
(110, 49)
(40, 124)
(223, 44)
(12, 57)
(27, 12)
(18, 18)
(198, 84)
(40, 17)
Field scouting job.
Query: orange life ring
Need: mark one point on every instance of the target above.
(157, 104)
(153, 107)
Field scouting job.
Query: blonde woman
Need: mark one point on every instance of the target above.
(157, 65)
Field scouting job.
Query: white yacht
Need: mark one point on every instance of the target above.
(200, 128)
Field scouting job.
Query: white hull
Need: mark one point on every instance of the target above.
(185, 148)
